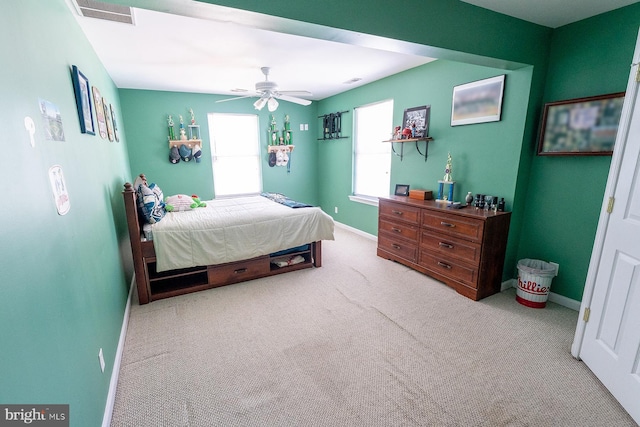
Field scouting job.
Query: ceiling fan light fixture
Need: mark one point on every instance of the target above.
(272, 104)
(260, 103)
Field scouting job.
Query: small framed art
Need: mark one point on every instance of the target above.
(402, 190)
(477, 102)
(417, 119)
(581, 126)
(83, 101)
(97, 101)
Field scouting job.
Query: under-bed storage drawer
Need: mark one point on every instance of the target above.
(224, 274)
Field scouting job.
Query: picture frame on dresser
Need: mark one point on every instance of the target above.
(402, 190)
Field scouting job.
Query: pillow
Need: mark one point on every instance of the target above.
(179, 203)
(150, 200)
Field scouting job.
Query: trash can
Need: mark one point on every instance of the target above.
(534, 282)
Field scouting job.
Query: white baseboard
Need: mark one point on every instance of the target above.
(553, 297)
(356, 231)
(113, 384)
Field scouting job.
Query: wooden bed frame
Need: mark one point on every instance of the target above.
(153, 285)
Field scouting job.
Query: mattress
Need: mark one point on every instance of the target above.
(229, 230)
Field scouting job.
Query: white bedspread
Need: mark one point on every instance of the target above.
(230, 230)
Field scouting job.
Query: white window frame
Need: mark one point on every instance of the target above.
(374, 147)
(225, 136)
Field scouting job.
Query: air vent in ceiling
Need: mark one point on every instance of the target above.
(106, 11)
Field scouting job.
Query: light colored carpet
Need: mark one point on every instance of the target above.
(361, 341)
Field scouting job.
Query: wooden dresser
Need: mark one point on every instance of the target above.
(464, 248)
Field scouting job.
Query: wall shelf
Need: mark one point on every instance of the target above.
(188, 142)
(416, 140)
(272, 148)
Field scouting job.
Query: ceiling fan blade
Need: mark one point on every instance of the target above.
(293, 99)
(237, 97)
(295, 92)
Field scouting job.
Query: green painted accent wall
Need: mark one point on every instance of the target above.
(590, 57)
(145, 122)
(64, 279)
(485, 156)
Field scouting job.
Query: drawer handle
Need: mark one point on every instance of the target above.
(397, 230)
(446, 245)
(446, 224)
(397, 212)
(240, 271)
(442, 264)
(394, 246)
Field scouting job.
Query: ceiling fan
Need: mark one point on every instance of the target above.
(268, 94)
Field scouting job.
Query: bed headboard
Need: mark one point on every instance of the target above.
(135, 229)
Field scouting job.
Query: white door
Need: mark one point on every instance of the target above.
(609, 341)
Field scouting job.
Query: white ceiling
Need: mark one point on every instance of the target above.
(190, 46)
(551, 13)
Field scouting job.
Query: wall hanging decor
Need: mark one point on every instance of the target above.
(184, 148)
(477, 102)
(59, 189)
(107, 119)
(116, 134)
(581, 126)
(97, 101)
(51, 121)
(332, 126)
(83, 101)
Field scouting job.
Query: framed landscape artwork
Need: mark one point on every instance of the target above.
(477, 102)
(581, 126)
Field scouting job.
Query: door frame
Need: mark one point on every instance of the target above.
(609, 192)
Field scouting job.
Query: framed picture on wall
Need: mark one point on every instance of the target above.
(417, 119)
(477, 102)
(97, 101)
(83, 101)
(581, 126)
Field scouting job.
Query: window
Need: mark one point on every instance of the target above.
(372, 158)
(235, 154)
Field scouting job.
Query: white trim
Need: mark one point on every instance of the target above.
(356, 231)
(612, 181)
(365, 200)
(553, 297)
(113, 384)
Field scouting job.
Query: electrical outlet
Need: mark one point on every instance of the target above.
(301, 126)
(335, 209)
(556, 266)
(101, 359)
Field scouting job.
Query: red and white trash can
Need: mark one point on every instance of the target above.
(534, 282)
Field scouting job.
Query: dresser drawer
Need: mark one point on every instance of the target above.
(238, 271)
(399, 229)
(449, 268)
(453, 225)
(398, 247)
(399, 212)
(451, 247)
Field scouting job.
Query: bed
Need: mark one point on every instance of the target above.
(227, 241)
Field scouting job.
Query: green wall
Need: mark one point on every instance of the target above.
(590, 57)
(64, 279)
(485, 156)
(145, 123)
